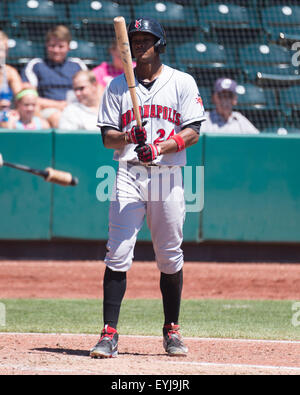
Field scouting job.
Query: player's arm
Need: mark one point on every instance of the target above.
(113, 138)
(189, 137)
(180, 141)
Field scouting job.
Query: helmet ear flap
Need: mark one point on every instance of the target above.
(160, 46)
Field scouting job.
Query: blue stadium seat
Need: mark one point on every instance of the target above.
(205, 93)
(22, 50)
(88, 51)
(229, 23)
(2, 14)
(206, 61)
(268, 64)
(282, 23)
(290, 103)
(258, 105)
(282, 130)
(167, 12)
(95, 18)
(35, 15)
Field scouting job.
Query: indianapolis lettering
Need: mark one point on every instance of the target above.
(152, 111)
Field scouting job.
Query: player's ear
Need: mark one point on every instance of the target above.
(235, 100)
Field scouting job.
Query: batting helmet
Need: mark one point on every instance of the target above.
(148, 25)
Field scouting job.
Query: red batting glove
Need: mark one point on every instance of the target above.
(136, 135)
(147, 152)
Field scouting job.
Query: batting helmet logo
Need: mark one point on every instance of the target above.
(138, 24)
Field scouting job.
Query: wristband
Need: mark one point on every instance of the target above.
(179, 141)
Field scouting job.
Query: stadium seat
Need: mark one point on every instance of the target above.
(167, 12)
(282, 23)
(230, 24)
(2, 13)
(257, 104)
(22, 50)
(87, 51)
(205, 93)
(36, 15)
(281, 130)
(95, 18)
(290, 103)
(206, 61)
(268, 64)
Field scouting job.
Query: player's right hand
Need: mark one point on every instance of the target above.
(136, 135)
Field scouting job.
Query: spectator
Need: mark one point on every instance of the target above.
(223, 118)
(24, 118)
(83, 114)
(5, 109)
(10, 80)
(105, 72)
(52, 76)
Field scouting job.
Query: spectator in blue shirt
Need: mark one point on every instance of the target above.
(52, 76)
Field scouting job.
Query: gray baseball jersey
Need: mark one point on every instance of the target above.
(172, 103)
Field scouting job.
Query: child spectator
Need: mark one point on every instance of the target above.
(24, 118)
(52, 76)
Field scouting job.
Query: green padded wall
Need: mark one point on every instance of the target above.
(25, 199)
(77, 213)
(252, 188)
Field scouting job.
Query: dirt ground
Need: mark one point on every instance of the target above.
(66, 354)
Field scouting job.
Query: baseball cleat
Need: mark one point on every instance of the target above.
(172, 342)
(107, 346)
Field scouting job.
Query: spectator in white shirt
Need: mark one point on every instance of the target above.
(223, 119)
(82, 114)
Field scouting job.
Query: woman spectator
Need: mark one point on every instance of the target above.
(10, 80)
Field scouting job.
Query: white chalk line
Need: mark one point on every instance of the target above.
(208, 339)
(193, 363)
(81, 371)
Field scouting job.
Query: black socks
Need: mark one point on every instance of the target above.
(114, 287)
(171, 288)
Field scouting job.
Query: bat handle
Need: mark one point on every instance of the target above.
(60, 177)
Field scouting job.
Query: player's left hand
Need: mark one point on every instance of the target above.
(148, 152)
(137, 135)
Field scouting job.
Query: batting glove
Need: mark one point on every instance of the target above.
(147, 152)
(136, 135)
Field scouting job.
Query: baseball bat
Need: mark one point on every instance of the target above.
(50, 175)
(124, 49)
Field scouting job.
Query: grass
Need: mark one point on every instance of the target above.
(255, 319)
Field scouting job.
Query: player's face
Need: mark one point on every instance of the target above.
(143, 46)
(57, 50)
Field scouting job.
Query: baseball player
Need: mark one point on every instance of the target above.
(172, 111)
